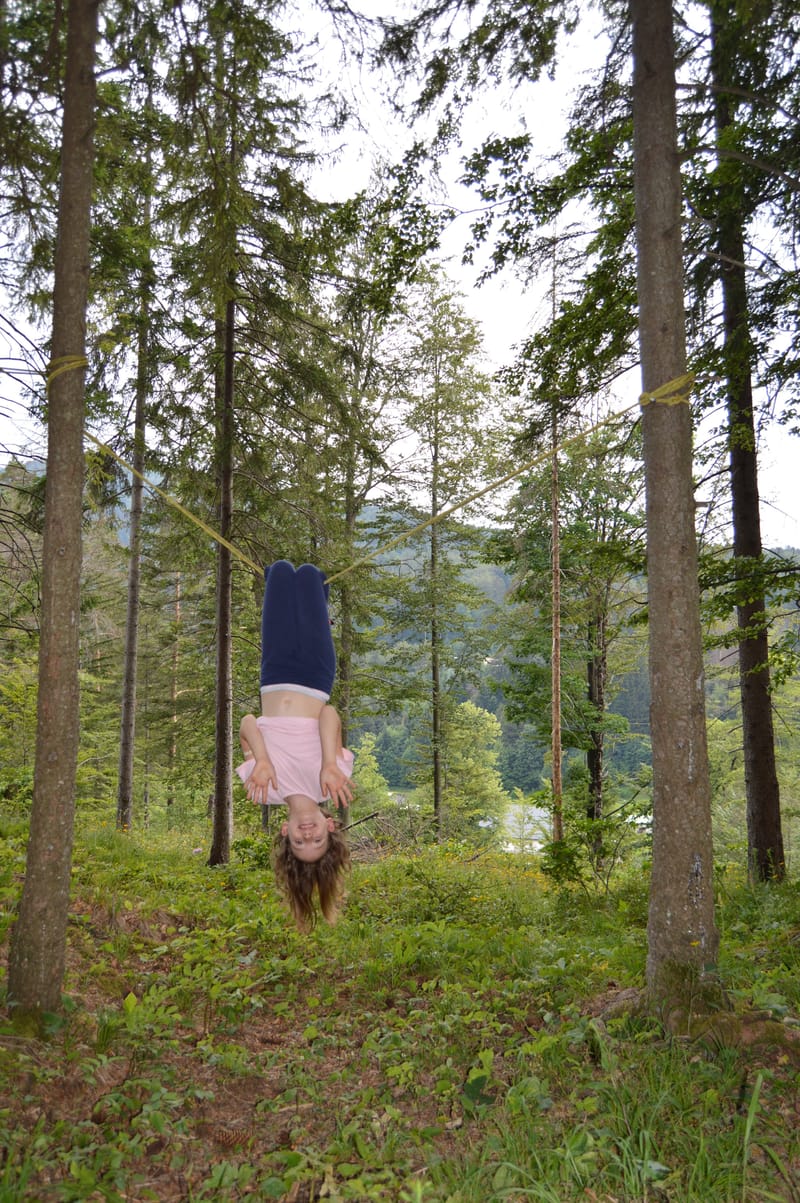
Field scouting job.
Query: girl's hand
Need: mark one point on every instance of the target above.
(335, 785)
(262, 776)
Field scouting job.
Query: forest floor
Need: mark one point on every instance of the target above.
(461, 1036)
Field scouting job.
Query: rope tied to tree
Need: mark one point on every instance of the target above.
(674, 392)
(63, 363)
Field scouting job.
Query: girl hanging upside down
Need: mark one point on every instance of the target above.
(294, 750)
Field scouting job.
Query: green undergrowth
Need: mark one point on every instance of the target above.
(454, 1039)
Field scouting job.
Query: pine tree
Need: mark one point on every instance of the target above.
(682, 933)
(602, 552)
(38, 941)
(445, 397)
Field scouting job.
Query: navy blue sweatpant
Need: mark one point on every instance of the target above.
(296, 640)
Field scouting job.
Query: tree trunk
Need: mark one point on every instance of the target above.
(345, 681)
(173, 695)
(596, 668)
(437, 734)
(223, 764)
(764, 834)
(127, 739)
(38, 940)
(555, 659)
(682, 934)
(436, 686)
(344, 673)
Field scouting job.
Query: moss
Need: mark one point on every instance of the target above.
(683, 997)
(748, 1030)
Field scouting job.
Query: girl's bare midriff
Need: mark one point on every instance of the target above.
(286, 703)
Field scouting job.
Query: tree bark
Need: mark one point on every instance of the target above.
(173, 695)
(223, 767)
(344, 673)
(682, 934)
(38, 941)
(764, 833)
(127, 740)
(555, 658)
(437, 734)
(596, 671)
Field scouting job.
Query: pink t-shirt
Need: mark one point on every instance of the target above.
(294, 748)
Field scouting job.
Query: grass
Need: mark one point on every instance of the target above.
(448, 1042)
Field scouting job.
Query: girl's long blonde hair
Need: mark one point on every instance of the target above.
(297, 880)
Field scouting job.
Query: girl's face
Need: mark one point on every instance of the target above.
(308, 834)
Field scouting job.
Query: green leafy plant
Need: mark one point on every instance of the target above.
(446, 1040)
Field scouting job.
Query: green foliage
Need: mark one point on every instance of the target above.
(600, 552)
(448, 1040)
(728, 582)
(372, 791)
(391, 749)
(474, 800)
(253, 851)
(521, 757)
(18, 689)
(596, 850)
